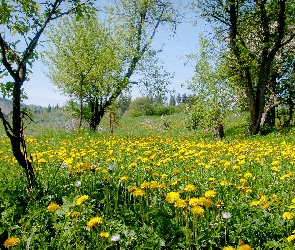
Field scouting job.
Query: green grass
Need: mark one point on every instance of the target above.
(128, 178)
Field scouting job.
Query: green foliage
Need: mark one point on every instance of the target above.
(140, 106)
(72, 164)
(144, 106)
(92, 59)
(212, 97)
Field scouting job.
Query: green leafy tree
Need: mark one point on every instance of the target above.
(212, 97)
(130, 27)
(172, 100)
(84, 62)
(140, 106)
(23, 23)
(255, 33)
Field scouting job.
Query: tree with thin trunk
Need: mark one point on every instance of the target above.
(23, 23)
(124, 44)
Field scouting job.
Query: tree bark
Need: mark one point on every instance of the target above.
(256, 98)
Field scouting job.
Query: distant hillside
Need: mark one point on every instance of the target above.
(6, 106)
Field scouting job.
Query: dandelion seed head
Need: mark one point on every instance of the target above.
(226, 215)
(115, 237)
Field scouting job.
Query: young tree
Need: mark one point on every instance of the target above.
(255, 31)
(84, 60)
(23, 24)
(212, 97)
(131, 26)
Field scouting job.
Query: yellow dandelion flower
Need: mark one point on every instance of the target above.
(162, 185)
(132, 188)
(52, 207)
(243, 180)
(248, 175)
(228, 248)
(176, 171)
(155, 174)
(255, 203)
(81, 199)
(275, 169)
(227, 165)
(145, 184)
(154, 184)
(94, 221)
(190, 188)
(132, 165)
(274, 197)
(138, 192)
(74, 214)
(203, 201)
(11, 242)
(180, 203)
(291, 238)
(285, 176)
(288, 216)
(104, 235)
(210, 194)
(245, 247)
(224, 183)
(197, 210)
(164, 176)
(194, 201)
(236, 167)
(105, 179)
(125, 178)
(172, 197)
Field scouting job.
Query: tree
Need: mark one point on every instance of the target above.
(140, 106)
(172, 101)
(178, 99)
(212, 96)
(131, 27)
(255, 32)
(23, 24)
(124, 101)
(84, 61)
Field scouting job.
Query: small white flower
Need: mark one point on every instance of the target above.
(115, 237)
(226, 215)
(77, 184)
(112, 167)
(64, 166)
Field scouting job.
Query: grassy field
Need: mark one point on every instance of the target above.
(152, 184)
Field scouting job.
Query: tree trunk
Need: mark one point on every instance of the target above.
(97, 113)
(81, 102)
(218, 132)
(15, 134)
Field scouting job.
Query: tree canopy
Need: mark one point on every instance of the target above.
(23, 24)
(256, 33)
(118, 45)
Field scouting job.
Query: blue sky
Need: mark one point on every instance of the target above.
(40, 90)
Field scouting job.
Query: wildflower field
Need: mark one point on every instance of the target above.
(151, 189)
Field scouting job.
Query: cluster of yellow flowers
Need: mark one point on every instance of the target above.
(194, 204)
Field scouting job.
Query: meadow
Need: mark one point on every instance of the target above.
(152, 184)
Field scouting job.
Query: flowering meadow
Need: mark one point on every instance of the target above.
(163, 189)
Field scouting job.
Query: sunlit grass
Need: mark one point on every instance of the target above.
(151, 187)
